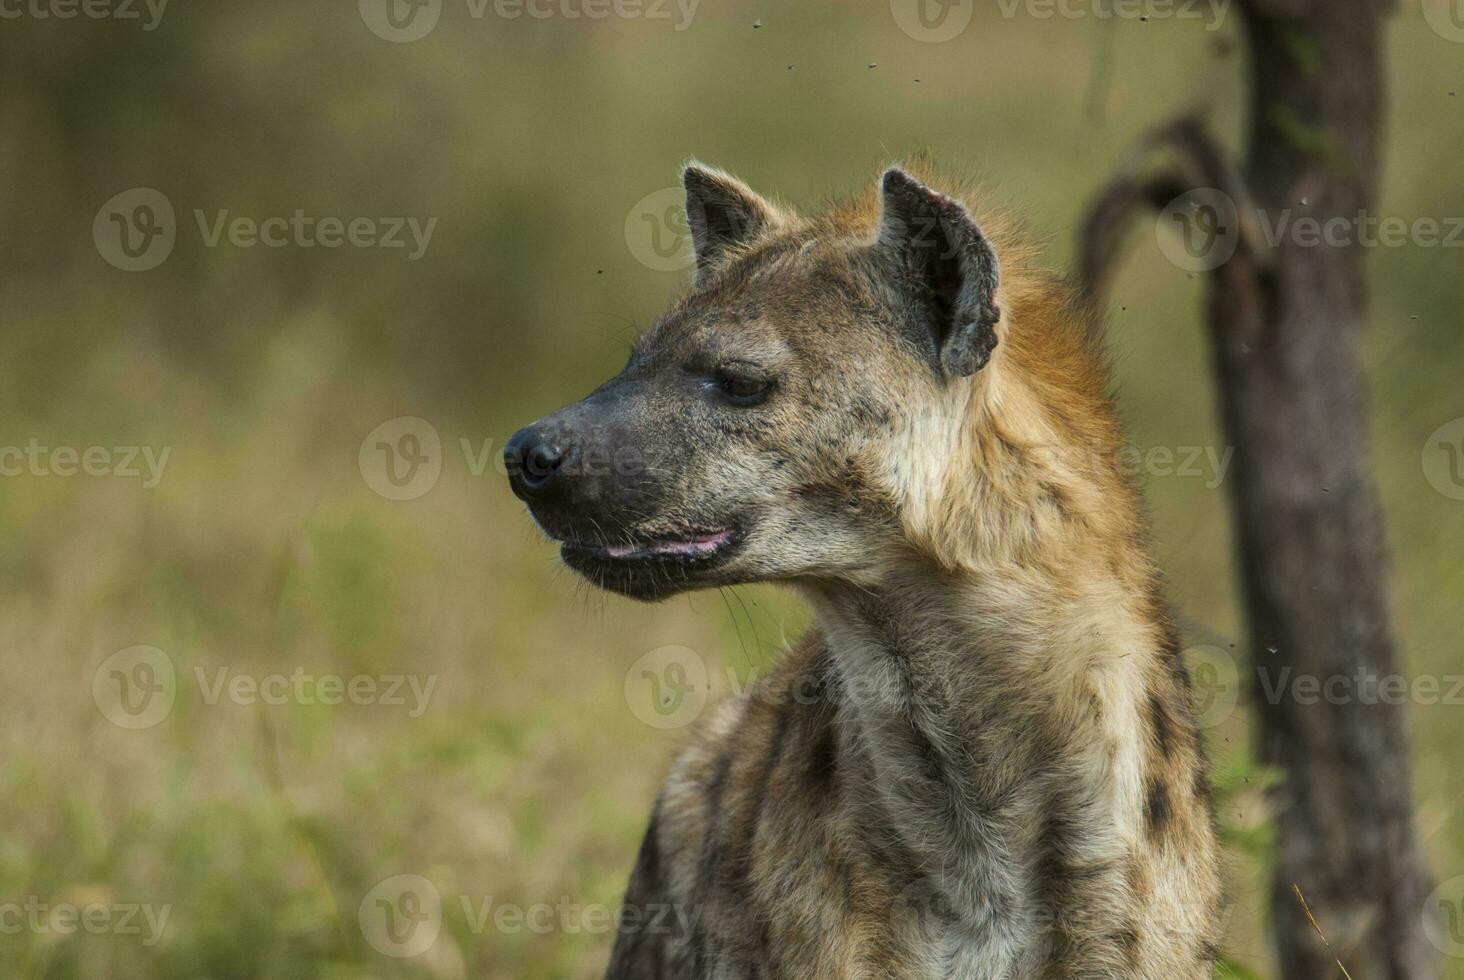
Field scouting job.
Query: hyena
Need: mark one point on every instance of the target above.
(983, 763)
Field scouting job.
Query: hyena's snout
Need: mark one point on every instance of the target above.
(611, 479)
(579, 468)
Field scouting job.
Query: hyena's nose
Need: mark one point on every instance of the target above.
(533, 461)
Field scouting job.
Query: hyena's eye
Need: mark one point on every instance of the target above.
(742, 387)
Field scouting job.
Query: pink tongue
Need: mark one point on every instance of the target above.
(695, 546)
(692, 546)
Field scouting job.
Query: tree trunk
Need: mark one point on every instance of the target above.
(1307, 517)
(1286, 318)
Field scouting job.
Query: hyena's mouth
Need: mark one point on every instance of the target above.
(653, 566)
(691, 546)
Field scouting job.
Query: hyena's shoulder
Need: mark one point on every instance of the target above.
(748, 851)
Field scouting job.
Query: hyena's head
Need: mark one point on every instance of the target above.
(795, 415)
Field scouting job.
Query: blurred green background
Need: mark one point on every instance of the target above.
(526, 778)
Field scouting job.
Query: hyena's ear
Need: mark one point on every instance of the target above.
(722, 213)
(943, 259)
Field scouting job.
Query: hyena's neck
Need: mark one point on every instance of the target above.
(1002, 725)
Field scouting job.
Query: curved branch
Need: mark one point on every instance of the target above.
(1107, 222)
(1200, 162)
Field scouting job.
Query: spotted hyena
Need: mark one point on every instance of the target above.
(982, 763)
